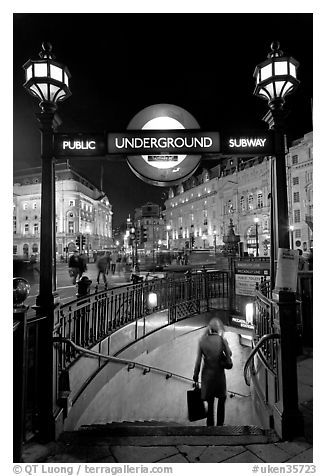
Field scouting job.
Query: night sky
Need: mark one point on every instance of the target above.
(121, 63)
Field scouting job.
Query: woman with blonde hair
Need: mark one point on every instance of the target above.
(211, 348)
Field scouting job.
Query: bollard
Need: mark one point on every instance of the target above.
(83, 287)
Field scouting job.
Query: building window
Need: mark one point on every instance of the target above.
(35, 228)
(260, 200)
(294, 160)
(26, 227)
(295, 180)
(15, 225)
(242, 203)
(297, 233)
(250, 201)
(296, 197)
(25, 206)
(34, 205)
(15, 249)
(71, 203)
(70, 227)
(297, 217)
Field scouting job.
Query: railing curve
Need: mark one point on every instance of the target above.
(254, 351)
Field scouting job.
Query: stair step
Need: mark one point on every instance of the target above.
(164, 433)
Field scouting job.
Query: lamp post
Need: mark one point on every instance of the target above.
(168, 228)
(214, 233)
(276, 77)
(48, 81)
(291, 234)
(256, 220)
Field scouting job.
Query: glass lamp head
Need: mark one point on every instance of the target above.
(276, 77)
(47, 79)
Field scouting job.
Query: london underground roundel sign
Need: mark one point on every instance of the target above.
(164, 169)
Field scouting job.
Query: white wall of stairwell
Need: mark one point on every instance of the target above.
(133, 396)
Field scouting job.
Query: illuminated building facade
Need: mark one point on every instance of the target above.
(81, 209)
(198, 211)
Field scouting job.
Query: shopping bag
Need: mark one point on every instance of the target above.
(196, 407)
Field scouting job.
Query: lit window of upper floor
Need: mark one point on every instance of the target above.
(297, 216)
(295, 180)
(260, 202)
(297, 233)
(25, 206)
(26, 228)
(296, 197)
(71, 203)
(34, 205)
(294, 159)
(250, 201)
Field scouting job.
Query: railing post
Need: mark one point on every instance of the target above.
(206, 288)
(19, 376)
(287, 417)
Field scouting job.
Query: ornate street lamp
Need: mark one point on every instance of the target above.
(256, 220)
(276, 77)
(48, 81)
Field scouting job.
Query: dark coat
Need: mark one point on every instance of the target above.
(213, 383)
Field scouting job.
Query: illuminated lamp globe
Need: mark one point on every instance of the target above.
(21, 290)
(47, 79)
(152, 300)
(276, 77)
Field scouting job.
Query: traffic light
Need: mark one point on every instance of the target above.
(144, 234)
(83, 241)
(138, 235)
(192, 241)
(77, 241)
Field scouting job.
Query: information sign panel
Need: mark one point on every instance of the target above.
(247, 274)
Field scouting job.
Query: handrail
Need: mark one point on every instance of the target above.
(256, 349)
(131, 364)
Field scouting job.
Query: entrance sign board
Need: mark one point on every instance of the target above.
(247, 274)
(77, 145)
(253, 143)
(156, 142)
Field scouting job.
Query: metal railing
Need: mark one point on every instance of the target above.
(133, 364)
(270, 363)
(88, 320)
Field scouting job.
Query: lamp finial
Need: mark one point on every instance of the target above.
(46, 51)
(276, 52)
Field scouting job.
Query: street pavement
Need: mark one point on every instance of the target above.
(67, 290)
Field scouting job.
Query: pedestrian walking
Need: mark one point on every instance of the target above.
(211, 349)
(101, 264)
(74, 267)
(108, 262)
(82, 261)
(114, 258)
